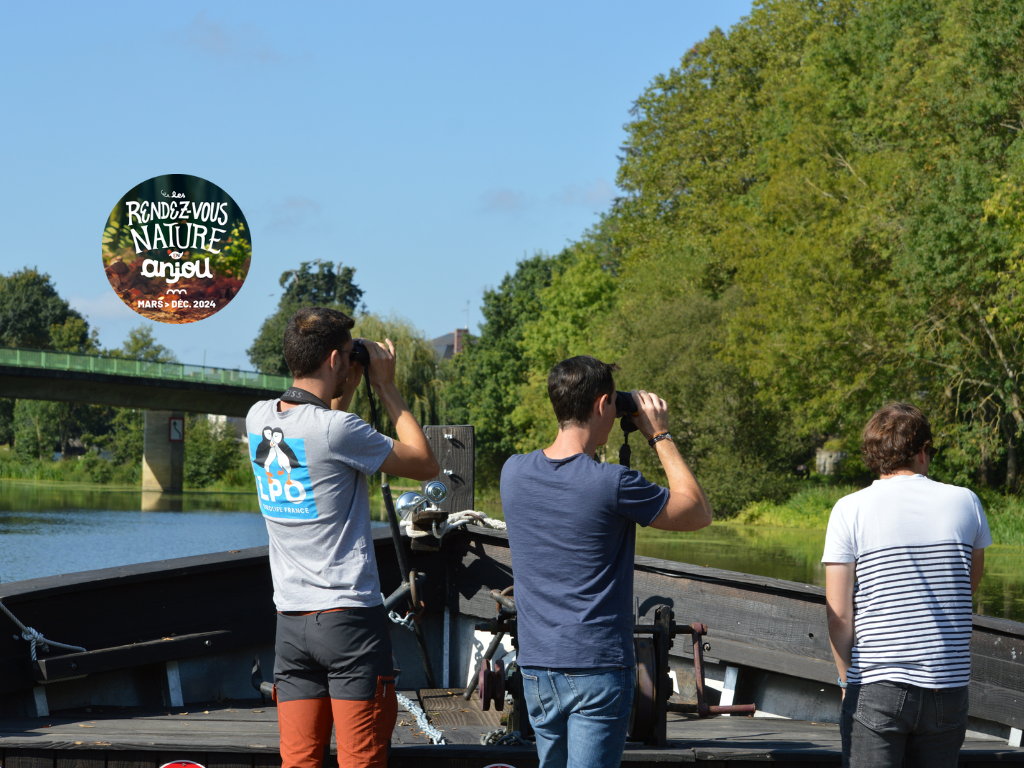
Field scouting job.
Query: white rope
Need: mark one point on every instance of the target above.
(455, 520)
(407, 622)
(35, 637)
(435, 736)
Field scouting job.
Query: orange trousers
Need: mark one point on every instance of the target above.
(363, 729)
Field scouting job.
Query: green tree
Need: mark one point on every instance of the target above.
(142, 345)
(211, 451)
(74, 335)
(303, 287)
(481, 384)
(570, 322)
(415, 370)
(29, 306)
(35, 430)
(33, 315)
(124, 438)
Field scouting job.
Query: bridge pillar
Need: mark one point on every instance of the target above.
(163, 451)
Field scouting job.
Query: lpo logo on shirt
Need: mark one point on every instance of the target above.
(282, 476)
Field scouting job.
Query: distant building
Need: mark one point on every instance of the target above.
(235, 423)
(449, 345)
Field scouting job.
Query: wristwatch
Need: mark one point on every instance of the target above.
(842, 684)
(659, 438)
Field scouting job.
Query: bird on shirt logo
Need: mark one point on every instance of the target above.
(273, 447)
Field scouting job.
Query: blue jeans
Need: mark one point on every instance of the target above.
(580, 716)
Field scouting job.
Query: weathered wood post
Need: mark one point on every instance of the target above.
(454, 448)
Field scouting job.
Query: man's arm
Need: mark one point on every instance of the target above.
(839, 581)
(687, 508)
(411, 455)
(977, 568)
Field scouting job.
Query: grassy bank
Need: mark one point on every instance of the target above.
(89, 469)
(810, 508)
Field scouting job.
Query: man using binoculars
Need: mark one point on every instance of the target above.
(572, 534)
(311, 459)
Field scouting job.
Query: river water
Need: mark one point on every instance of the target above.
(50, 529)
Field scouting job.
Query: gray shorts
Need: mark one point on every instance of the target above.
(896, 724)
(336, 654)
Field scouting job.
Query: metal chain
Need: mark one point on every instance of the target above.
(435, 736)
(408, 622)
(498, 738)
(35, 637)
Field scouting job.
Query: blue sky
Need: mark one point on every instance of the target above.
(429, 145)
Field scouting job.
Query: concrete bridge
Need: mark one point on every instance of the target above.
(164, 390)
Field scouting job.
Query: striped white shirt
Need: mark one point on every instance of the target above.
(912, 539)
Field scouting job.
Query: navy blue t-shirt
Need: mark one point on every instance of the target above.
(572, 534)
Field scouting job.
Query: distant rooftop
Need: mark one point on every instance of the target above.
(449, 345)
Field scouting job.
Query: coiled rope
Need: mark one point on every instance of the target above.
(35, 637)
(435, 736)
(455, 520)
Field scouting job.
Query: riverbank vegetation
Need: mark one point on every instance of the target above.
(809, 508)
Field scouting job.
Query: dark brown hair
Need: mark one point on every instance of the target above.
(312, 334)
(574, 385)
(894, 436)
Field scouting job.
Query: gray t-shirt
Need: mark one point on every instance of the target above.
(310, 466)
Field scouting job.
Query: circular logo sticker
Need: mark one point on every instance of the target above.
(176, 248)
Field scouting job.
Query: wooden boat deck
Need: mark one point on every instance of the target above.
(245, 735)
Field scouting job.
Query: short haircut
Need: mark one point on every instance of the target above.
(312, 334)
(893, 437)
(574, 385)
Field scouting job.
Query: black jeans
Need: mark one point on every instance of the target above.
(895, 724)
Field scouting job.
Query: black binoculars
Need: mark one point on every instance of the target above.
(625, 405)
(360, 354)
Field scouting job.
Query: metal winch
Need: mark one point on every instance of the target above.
(423, 513)
(653, 690)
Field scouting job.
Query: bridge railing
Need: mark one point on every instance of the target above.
(72, 361)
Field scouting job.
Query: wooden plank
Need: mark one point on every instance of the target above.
(996, 645)
(80, 759)
(446, 707)
(188, 601)
(461, 756)
(228, 760)
(795, 626)
(157, 570)
(29, 758)
(771, 660)
(164, 649)
(124, 605)
(456, 456)
(998, 672)
(130, 759)
(266, 761)
(993, 702)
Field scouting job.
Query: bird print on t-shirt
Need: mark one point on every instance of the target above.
(273, 448)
